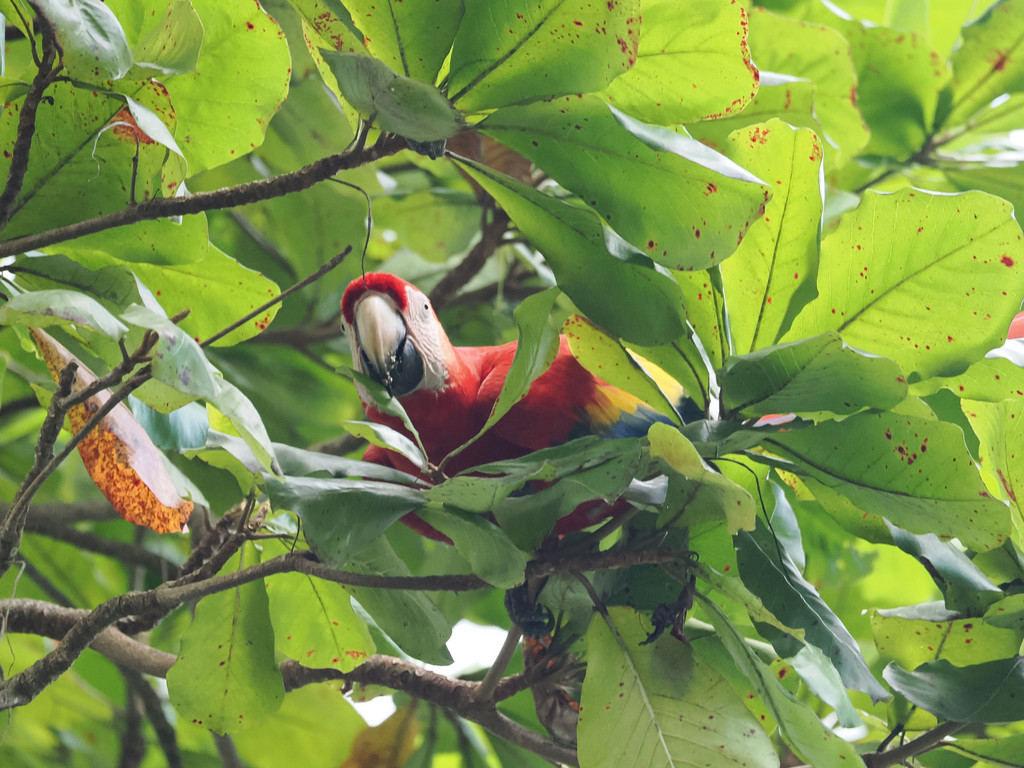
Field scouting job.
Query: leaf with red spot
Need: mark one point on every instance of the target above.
(912, 471)
(522, 51)
(990, 62)
(315, 622)
(693, 64)
(226, 677)
(771, 277)
(927, 280)
(412, 37)
(92, 43)
(682, 204)
(118, 454)
(680, 709)
(1000, 430)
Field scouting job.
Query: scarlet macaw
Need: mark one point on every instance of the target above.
(447, 391)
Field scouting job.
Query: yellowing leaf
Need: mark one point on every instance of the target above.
(388, 745)
(120, 457)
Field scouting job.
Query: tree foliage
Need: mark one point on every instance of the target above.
(802, 214)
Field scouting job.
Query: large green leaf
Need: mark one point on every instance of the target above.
(226, 677)
(771, 575)
(412, 37)
(900, 79)
(771, 276)
(591, 263)
(912, 471)
(991, 379)
(919, 634)
(1000, 430)
(518, 51)
(697, 494)
(81, 161)
(799, 725)
(69, 309)
(820, 374)
(93, 46)
(693, 64)
(660, 705)
(680, 203)
(821, 55)
(172, 46)
(920, 278)
(340, 515)
(223, 107)
(408, 617)
(179, 265)
(489, 551)
(314, 620)
(990, 62)
(992, 692)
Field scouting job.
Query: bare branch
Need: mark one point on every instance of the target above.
(228, 197)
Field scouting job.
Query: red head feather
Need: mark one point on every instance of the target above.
(381, 282)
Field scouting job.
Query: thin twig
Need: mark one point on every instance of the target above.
(334, 262)
(485, 691)
(47, 73)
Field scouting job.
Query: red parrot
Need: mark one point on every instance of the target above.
(447, 391)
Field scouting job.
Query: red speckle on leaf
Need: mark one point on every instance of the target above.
(1006, 260)
(1000, 62)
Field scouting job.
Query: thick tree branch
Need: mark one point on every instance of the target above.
(926, 742)
(458, 696)
(227, 197)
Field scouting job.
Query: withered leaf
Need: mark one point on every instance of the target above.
(118, 454)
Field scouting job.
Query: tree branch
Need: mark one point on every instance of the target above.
(27, 124)
(926, 742)
(227, 197)
(459, 696)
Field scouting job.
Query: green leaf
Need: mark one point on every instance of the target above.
(397, 103)
(914, 472)
(341, 515)
(179, 362)
(241, 45)
(917, 634)
(385, 437)
(180, 430)
(606, 357)
(771, 276)
(796, 603)
(408, 617)
(992, 692)
(991, 380)
(226, 677)
(81, 160)
(590, 262)
(1000, 431)
(681, 359)
(515, 52)
(990, 62)
(64, 308)
(180, 264)
(900, 79)
(172, 46)
(817, 54)
(801, 729)
(412, 37)
(679, 202)
(815, 375)
(537, 348)
(706, 311)
(315, 621)
(680, 710)
(821, 677)
(92, 44)
(693, 64)
(694, 489)
(488, 550)
(885, 276)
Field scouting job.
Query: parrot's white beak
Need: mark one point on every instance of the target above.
(385, 352)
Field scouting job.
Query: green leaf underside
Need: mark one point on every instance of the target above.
(659, 705)
(226, 676)
(915, 472)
